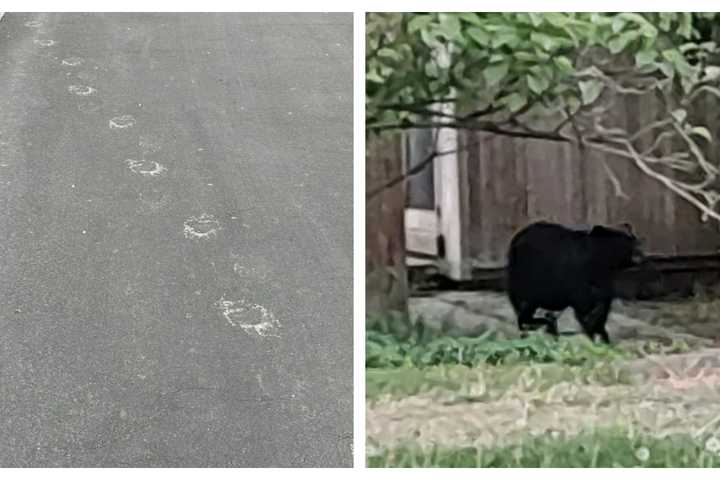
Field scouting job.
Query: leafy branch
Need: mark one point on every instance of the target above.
(559, 77)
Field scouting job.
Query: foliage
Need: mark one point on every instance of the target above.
(406, 381)
(602, 448)
(384, 350)
(556, 76)
(463, 383)
(510, 61)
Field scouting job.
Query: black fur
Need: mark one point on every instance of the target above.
(555, 267)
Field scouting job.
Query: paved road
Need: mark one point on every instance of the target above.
(175, 240)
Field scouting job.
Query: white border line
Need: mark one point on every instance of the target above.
(359, 239)
(359, 8)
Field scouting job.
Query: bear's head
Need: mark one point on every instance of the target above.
(618, 246)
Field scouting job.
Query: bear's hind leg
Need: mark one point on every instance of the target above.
(593, 319)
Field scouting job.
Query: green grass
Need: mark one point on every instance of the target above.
(457, 379)
(414, 359)
(406, 381)
(606, 448)
(490, 368)
(384, 350)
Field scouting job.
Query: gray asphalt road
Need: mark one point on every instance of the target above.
(175, 240)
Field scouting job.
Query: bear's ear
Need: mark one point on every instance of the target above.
(625, 227)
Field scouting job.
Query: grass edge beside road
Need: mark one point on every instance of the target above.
(601, 448)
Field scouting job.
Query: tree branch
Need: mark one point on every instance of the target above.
(489, 127)
(416, 169)
(677, 187)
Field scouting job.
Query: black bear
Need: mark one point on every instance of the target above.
(553, 267)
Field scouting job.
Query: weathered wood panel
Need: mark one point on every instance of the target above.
(385, 271)
(513, 182)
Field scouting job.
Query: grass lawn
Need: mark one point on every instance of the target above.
(599, 449)
(435, 401)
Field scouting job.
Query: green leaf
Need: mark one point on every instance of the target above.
(547, 71)
(647, 29)
(480, 36)
(666, 19)
(443, 61)
(419, 22)
(385, 70)
(525, 56)
(555, 19)
(618, 24)
(688, 47)
(496, 58)
(496, 73)
(431, 69)
(645, 57)
(507, 37)
(671, 54)
(678, 62)
(667, 69)
(590, 90)
(542, 56)
(450, 26)
(547, 42)
(536, 19)
(458, 73)
(514, 101)
(472, 18)
(703, 132)
(429, 39)
(536, 84)
(685, 29)
(374, 77)
(573, 103)
(563, 64)
(389, 53)
(618, 44)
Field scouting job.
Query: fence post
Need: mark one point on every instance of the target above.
(386, 285)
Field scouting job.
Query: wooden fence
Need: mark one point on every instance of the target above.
(385, 270)
(512, 182)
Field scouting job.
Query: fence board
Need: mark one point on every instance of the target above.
(513, 182)
(385, 274)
